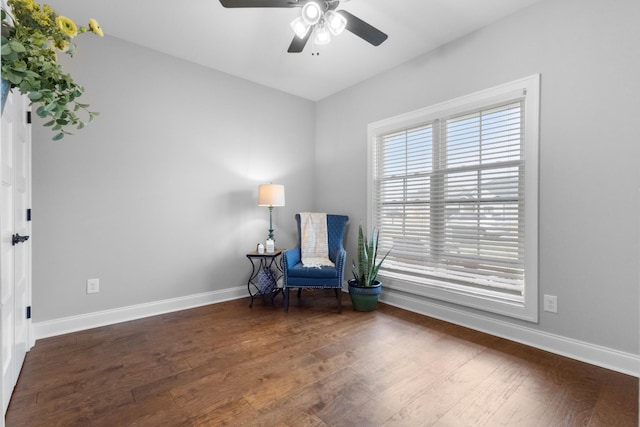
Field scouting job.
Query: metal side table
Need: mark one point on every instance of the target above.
(265, 273)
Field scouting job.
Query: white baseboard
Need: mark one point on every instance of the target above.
(626, 363)
(82, 322)
(590, 353)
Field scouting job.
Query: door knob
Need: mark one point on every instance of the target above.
(16, 238)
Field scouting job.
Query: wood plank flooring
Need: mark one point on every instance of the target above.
(227, 364)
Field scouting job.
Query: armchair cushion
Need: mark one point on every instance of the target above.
(324, 272)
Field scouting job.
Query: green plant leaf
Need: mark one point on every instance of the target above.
(16, 46)
(366, 269)
(15, 79)
(41, 112)
(30, 63)
(34, 96)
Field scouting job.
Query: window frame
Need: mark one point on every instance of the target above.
(482, 299)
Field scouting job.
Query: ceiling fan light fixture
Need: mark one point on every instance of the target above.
(336, 22)
(311, 13)
(300, 27)
(321, 35)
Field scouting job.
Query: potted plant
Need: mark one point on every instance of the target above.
(364, 288)
(32, 37)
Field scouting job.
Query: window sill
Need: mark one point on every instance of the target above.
(480, 299)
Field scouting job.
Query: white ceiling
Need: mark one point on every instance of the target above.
(252, 43)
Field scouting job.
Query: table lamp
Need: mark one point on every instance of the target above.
(270, 195)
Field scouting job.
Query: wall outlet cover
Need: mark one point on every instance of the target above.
(551, 303)
(93, 286)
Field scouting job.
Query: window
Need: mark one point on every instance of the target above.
(453, 190)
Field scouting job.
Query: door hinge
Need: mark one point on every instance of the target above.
(28, 312)
(28, 214)
(28, 117)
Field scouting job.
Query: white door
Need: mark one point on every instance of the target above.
(15, 256)
(22, 227)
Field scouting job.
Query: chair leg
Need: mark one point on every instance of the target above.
(299, 292)
(286, 299)
(339, 292)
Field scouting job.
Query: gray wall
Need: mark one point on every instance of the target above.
(157, 197)
(588, 57)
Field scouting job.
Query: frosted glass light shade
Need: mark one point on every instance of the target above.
(311, 13)
(336, 22)
(300, 27)
(321, 35)
(270, 195)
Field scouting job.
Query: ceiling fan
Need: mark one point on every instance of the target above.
(319, 18)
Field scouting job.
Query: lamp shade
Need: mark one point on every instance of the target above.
(336, 22)
(270, 195)
(300, 27)
(321, 34)
(311, 13)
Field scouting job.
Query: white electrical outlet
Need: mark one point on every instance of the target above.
(551, 303)
(93, 286)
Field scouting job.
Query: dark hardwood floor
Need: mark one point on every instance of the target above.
(227, 364)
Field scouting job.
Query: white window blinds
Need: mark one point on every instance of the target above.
(449, 196)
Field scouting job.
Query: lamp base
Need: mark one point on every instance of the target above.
(271, 236)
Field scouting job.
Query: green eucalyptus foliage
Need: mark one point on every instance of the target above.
(32, 36)
(366, 270)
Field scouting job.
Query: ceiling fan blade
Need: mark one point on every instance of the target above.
(259, 3)
(363, 30)
(297, 44)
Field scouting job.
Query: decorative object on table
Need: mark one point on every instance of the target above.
(271, 246)
(32, 37)
(266, 281)
(271, 195)
(364, 288)
(328, 274)
(266, 275)
(260, 248)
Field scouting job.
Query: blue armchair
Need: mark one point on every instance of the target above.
(296, 275)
